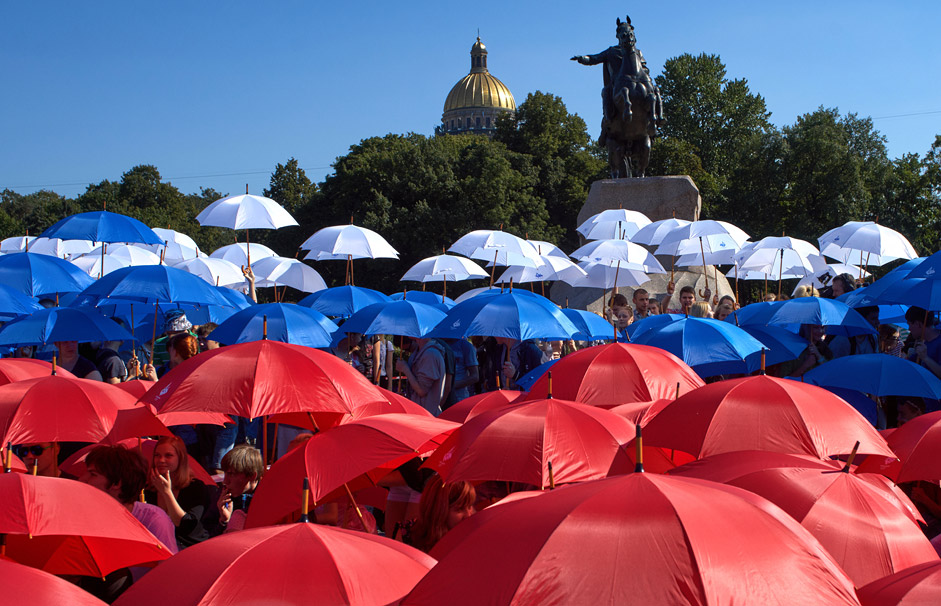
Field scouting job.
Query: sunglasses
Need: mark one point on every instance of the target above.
(35, 450)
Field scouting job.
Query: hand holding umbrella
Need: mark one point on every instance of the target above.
(250, 276)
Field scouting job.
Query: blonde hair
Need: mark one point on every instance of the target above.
(806, 290)
(244, 459)
(700, 309)
(182, 477)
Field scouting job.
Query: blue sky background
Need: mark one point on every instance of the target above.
(216, 93)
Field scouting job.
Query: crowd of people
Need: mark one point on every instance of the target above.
(168, 498)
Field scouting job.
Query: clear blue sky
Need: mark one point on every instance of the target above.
(202, 89)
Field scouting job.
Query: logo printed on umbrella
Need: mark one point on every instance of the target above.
(456, 323)
(929, 271)
(447, 456)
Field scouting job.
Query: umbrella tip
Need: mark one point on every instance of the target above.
(246, 189)
(549, 394)
(639, 445)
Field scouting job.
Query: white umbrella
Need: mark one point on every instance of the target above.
(551, 268)
(715, 234)
(275, 271)
(55, 247)
(16, 244)
(604, 275)
(177, 246)
(348, 242)
(97, 265)
(763, 255)
(866, 241)
(443, 268)
(616, 224)
(653, 234)
(470, 294)
(501, 247)
(245, 211)
(173, 236)
(505, 258)
(548, 249)
(614, 252)
(218, 272)
(133, 255)
(241, 254)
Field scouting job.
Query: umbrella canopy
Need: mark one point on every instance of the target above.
(218, 272)
(281, 271)
(918, 585)
(654, 233)
(838, 317)
(876, 374)
(99, 265)
(511, 314)
(101, 226)
(618, 373)
(536, 442)
(26, 585)
(319, 421)
(622, 253)
(59, 409)
(36, 275)
(763, 413)
(618, 223)
(479, 403)
(245, 211)
(547, 268)
(609, 275)
(342, 301)
(262, 378)
(708, 346)
(874, 534)
(684, 541)
(62, 324)
(548, 249)
(484, 244)
(15, 244)
(154, 283)
(866, 242)
(277, 322)
(443, 268)
(423, 296)
(132, 255)
(294, 564)
(75, 464)
(406, 318)
(241, 254)
(66, 527)
(591, 326)
(349, 241)
(917, 444)
(776, 252)
(354, 455)
(20, 369)
(64, 249)
(782, 345)
(13, 303)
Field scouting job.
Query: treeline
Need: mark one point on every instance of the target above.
(422, 193)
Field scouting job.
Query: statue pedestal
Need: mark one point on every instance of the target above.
(658, 198)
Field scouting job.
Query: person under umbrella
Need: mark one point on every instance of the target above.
(842, 346)
(72, 361)
(40, 458)
(175, 490)
(927, 348)
(442, 507)
(817, 353)
(426, 373)
(243, 467)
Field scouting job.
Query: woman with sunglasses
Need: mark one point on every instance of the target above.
(176, 491)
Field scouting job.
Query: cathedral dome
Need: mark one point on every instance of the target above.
(478, 98)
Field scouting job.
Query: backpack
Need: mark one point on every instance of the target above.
(450, 366)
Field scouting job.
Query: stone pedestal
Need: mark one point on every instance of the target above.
(658, 198)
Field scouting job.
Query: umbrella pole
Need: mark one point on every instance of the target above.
(639, 445)
(705, 273)
(780, 273)
(264, 439)
(617, 270)
(766, 284)
(551, 476)
(494, 268)
(153, 342)
(134, 340)
(274, 441)
(7, 462)
(444, 287)
(736, 284)
(355, 506)
(101, 270)
(352, 280)
(248, 249)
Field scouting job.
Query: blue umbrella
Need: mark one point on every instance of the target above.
(920, 292)
(37, 275)
(514, 315)
(591, 326)
(868, 295)
(877, 374)
(710, 347)
(639, 327)
(529, 379)
(426, 297)
(61, 324)
(102, 226)
(342, 301)
(838, 317)
(286, 323)
(406, 318)
(13, 303)
(153, 284)
(782, 345)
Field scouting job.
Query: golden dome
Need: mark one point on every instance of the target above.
(479, 88)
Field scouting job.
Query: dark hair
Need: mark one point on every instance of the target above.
(639, 291)
(618, 300)
(917, 314)
(867, 309)
(203, 330)
(120, 465)
(729, 297)
(848, 282)
(688, 289)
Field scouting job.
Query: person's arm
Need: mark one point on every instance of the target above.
(921, 352)
(667, 298)
(165, 498)
(403, 367)
(250, 276)
(94, 376)
(473, 375)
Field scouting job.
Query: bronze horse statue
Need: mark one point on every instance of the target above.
(633, 109)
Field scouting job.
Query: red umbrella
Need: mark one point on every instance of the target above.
(75, 464)
(16, 464)
(917, 445)
(474, 405)
(59, 409)
(139, 387)
(18, 369)
(763, 413)
(919, 585)
(284, 565)
(66, 527)
(864, 525)
(608, 375)
(262, 378)
(634, 539)
(656, 459)
(25, 585)
(394, 403)
(351, 456)
(517, 444)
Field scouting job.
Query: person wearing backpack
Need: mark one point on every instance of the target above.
(427, 372)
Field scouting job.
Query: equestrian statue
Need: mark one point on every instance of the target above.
(633, 109)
